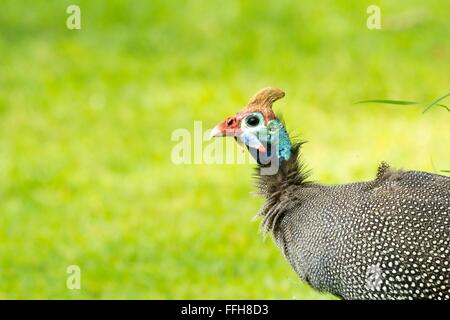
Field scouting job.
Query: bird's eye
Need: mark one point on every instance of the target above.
(252, 121)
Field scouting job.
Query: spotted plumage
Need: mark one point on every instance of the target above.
(384, 239)
(388, 238)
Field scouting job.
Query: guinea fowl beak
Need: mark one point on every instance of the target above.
(228, 127)
(216, 132)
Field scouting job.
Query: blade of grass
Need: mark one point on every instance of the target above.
(398, 102)
(435, 102)
(443, 106)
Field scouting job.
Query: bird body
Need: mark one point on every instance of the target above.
(388, 238)
(382, 239)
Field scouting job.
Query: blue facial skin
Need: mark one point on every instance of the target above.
(278, 136)
(275, 138)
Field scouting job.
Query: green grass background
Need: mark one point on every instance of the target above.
(86, 118)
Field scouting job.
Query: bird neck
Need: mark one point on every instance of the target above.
(279, 166)
(287, 180)
(279, 172)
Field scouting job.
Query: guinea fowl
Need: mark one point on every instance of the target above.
(388, 238)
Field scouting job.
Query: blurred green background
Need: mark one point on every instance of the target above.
(86, 117)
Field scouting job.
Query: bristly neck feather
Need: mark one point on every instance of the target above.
(291, 172)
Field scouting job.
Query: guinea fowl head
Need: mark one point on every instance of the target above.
(257, 127)
(263, 133)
